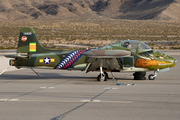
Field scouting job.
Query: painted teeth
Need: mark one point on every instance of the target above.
(70, 59)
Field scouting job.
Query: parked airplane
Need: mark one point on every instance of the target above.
(124, 56)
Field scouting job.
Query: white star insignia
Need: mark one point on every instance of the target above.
(47, 60)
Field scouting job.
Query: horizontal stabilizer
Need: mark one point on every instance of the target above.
(107, 53)
(16, 56)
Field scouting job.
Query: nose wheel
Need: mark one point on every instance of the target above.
(151, 76)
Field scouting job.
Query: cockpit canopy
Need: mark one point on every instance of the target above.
(132, 45)
(135, 45)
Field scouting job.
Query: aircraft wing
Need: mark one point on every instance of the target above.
(107, 53)
(16, 56)
(98, 57)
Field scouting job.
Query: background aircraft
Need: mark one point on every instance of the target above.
(124, 56)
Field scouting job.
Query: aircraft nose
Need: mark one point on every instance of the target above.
(175, 61)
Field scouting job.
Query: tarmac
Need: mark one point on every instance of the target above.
(74, 95)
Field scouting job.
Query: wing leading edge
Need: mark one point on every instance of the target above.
(107, 53)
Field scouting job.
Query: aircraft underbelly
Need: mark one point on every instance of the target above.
(107, 64)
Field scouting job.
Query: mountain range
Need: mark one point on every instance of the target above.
(167, 10)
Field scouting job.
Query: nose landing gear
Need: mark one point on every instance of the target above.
(151, 76)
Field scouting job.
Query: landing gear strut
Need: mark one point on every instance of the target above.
(35, 72)
(151, 76)
(102, 76)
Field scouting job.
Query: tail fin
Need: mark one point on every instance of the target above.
(29, 43)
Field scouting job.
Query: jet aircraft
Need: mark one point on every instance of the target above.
(125, 56)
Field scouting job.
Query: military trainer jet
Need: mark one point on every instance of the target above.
(124, 56)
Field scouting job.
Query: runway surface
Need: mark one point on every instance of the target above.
(72, 96)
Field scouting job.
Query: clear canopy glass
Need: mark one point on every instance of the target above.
(134, 45)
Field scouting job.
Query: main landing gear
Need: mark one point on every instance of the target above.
(102, 76)
(141, 75)
(151, 76)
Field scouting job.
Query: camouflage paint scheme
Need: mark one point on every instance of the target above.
(116, 57)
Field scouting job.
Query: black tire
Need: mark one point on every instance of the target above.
(106, 75)
(99, 77)
(139, 78)
(139, 75)
(151, 77)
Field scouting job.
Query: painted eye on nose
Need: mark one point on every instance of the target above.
(161, 57)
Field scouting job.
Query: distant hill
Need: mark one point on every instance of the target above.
(117, 9)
